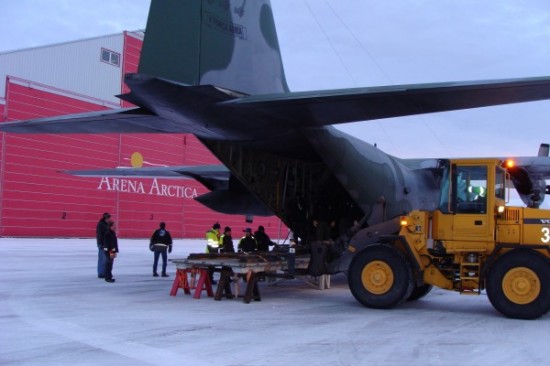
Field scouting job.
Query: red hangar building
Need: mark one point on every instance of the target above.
(38, 200)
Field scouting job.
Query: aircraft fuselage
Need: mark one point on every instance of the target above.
(347, 180)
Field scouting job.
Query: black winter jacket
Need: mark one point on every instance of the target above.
(100, 231)
(161, 236)
(110, 242)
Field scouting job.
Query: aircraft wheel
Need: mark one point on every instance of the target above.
(419, 292)
(518, 285)
(380, 277)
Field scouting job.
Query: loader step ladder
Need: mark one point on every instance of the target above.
(470, 271)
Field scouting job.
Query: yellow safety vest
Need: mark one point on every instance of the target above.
(212, 240)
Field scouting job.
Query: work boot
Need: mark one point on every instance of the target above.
(155, 274)
(110, 280)
(164, 274)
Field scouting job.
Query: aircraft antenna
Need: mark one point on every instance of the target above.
(365, 50)
(319, 24)
(380, 69)
(353, 80)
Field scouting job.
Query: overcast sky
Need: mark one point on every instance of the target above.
(330, 44)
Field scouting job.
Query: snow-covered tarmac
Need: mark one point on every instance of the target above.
(55, 311)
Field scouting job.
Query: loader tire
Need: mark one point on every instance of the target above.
(518, 285)
(419, 292)
(380, 277)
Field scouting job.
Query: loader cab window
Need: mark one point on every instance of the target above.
(500, 183)
(469, 189)
(445, 194)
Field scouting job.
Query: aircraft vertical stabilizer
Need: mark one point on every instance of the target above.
(230, 44)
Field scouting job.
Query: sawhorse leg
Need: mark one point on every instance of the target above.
(252, 290)
(224, 285)
(180, 281)
(203, 284)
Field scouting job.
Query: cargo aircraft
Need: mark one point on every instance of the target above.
(214, 69)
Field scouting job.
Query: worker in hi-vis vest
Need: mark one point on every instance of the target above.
(213, 239)
(213, 246)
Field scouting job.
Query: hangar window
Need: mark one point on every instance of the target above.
(110, 57)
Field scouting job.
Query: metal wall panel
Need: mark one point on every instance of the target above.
(74, 66)
(37, 200)
(132, 52)
(2, 109)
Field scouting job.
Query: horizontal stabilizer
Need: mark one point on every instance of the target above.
(214, 113)
(227, 194)
(234, 203)
(110, 121)
(319, 108)
(211, 176)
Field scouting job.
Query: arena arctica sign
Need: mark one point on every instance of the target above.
(140, 187)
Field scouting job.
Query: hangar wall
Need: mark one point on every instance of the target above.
(2, 109)
(37, 199)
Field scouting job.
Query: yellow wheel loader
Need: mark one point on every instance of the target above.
(471, 243)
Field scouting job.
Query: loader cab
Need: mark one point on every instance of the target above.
(471, 191)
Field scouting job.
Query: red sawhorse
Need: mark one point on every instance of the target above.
(182, 281)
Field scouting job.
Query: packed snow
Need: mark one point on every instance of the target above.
(54, 310)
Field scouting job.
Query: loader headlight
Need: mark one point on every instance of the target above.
(403, 221)
(500, 209)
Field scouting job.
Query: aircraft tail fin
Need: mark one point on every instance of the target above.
(231, 44)
(543, 150)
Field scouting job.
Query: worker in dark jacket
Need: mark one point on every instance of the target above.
(247, 244)
(227, 247)
(227, 241)
(161, 241)
(101, 228)
(264, 242)
(110, 250)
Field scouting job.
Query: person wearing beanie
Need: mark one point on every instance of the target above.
(227, 241)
